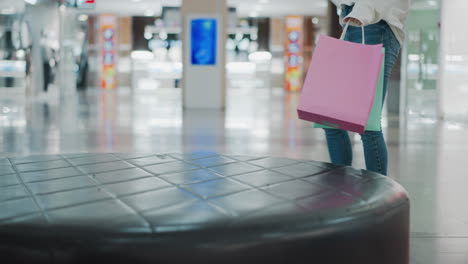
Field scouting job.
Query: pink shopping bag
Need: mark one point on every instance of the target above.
(341, 82)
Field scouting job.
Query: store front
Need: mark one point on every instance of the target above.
(15, 50)
(150, 49)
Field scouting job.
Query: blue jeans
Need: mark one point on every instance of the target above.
(375, 149)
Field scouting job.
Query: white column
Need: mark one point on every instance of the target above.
(454, 60)
(204, 80)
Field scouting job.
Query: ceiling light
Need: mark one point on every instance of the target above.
(163, 35)
(20, 54)
(82, 18)
(264, 1)
(260, 56)
(141, 55)
(32, 2)
(136, 1)
(148, 35)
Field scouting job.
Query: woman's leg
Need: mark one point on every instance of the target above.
(375, 152)
(375, 148)
(339, 147)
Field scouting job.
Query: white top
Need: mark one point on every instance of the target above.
(394, 12)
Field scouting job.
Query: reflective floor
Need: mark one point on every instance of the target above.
(426, 157)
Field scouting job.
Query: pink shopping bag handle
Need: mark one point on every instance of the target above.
(346, 30)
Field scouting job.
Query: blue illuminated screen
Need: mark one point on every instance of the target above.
(203, 41)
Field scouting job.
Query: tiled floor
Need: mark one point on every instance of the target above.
(425, 157)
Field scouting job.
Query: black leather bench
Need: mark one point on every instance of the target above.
(197, 208)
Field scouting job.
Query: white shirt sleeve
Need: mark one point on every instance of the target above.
(372, 11)
(366, 12)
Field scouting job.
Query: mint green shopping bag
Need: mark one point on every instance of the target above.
(374, 123)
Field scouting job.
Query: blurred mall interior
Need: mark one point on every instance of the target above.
(81, 76)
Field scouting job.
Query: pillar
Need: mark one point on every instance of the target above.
(204, 54)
